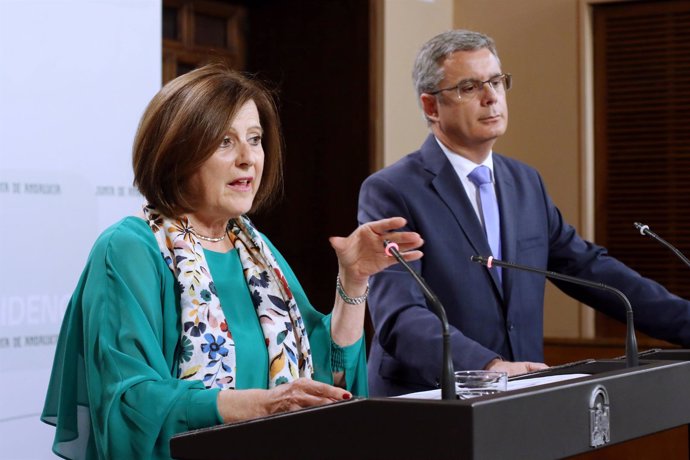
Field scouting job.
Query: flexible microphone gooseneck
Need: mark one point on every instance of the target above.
(447, 370)
(644, 230)
(630, 340)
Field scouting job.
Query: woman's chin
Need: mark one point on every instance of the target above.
(237, 211)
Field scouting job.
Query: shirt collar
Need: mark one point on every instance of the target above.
(462, 165)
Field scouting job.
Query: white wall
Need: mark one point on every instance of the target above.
(408, 24)
(75, 76)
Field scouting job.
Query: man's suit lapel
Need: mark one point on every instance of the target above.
(450, 190)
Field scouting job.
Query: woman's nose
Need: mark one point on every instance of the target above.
(245, 155)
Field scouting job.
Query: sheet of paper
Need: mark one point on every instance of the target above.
(512, 385)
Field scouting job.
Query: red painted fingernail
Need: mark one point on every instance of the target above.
(347, 396)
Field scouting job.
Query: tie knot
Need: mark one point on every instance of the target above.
(480, 175)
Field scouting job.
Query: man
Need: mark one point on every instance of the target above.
(496, 317)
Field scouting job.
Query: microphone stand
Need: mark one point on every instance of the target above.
(644, 230)
(447, 370)
(631, 357)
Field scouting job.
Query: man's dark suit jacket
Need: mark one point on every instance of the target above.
(487, 320)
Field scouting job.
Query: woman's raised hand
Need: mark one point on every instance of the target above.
(363, 254)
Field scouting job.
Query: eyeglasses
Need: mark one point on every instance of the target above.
(468, 89)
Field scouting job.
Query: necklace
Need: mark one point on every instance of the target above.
(210, 239)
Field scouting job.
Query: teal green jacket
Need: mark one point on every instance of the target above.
(113, 392)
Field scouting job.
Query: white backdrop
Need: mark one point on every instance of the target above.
(75, 76)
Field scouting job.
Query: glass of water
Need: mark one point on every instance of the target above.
(470, 384)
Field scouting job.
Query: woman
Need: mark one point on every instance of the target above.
(186, 316)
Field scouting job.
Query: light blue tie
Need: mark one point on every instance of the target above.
(488, 207)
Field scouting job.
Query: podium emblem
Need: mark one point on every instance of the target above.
(599, 417)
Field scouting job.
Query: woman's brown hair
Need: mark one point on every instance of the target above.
(184, 124)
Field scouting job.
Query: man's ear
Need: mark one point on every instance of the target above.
(429, 106)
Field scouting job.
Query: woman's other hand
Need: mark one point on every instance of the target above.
(236, 405)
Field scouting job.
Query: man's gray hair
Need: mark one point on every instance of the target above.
(428, 70)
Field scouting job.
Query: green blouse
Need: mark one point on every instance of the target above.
(113, 391)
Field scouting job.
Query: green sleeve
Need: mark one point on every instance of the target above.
(122, 362)
(352, 358)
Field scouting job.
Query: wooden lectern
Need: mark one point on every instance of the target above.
(611, 405)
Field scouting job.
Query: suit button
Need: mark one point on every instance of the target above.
(510, 326)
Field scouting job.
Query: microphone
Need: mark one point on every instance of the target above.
(644, 230)
(447, 370)
(631, 357)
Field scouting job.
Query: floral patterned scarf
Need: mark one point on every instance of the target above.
(207, 347)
